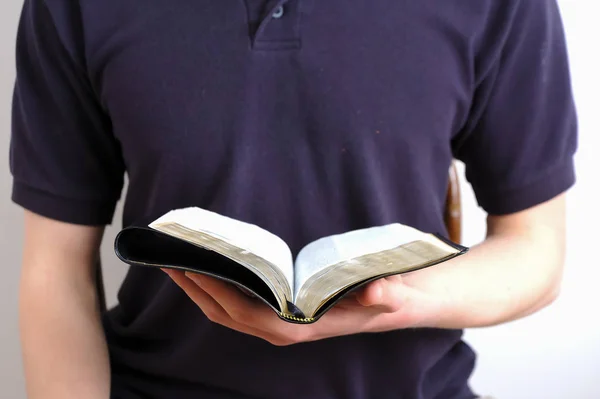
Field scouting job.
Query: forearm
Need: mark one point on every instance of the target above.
(64, 349)
(508, 276)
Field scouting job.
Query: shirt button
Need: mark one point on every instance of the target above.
(278, 13)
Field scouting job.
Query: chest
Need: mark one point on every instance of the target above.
(190, 75)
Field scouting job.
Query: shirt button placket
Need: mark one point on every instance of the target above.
(278, 12)
(279, 29)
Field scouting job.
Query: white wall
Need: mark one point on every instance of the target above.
(552, 355)
(11, 380)
(555, 354)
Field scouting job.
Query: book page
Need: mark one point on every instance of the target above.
(247, 237)
(330, 281)
(335, 249)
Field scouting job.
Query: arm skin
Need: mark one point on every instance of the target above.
(514, 272)
(63, 345)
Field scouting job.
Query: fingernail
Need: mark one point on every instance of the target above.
(378, 293)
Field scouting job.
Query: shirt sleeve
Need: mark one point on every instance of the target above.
(65, 162)
(519, 143)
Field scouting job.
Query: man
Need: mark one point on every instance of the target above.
(305, 117)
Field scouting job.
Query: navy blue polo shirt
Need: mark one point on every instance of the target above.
(305, 117)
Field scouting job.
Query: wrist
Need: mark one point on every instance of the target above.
(432, 303)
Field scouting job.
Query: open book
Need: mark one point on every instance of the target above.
(299, 290)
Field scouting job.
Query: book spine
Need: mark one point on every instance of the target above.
(295, 311)
(299, 320)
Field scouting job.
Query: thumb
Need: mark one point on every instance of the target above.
(385, 294)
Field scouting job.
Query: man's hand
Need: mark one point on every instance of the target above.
(516, 271)
(383, 305)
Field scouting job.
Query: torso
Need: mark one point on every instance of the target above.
(337, 116)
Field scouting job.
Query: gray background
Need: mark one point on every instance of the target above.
(554, 354)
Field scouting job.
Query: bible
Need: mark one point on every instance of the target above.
(260, 263)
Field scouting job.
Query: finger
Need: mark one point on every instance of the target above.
(386, 295)
(371, 294)
(211, 308)
(228, 296)
(208, 305)
(249, 312)
(260, 321)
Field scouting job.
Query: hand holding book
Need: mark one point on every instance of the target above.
(514, 272)
(382, 305)
(299, 290)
